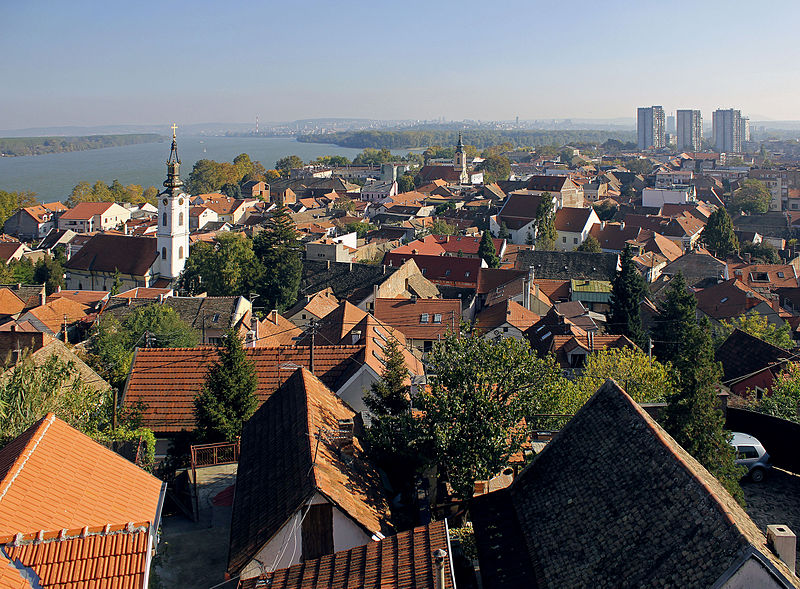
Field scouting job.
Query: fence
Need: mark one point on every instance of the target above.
(211, 455)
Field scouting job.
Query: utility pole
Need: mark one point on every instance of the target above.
(650, 349)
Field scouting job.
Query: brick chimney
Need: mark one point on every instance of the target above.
(344, 436)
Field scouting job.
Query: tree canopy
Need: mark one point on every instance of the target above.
(288, 163)
(627, 293)
(751, 197)
(226, 267)
(719, 235)
(211, 176)
(783, 400)
(760, 327)
(487, 251)
(494, 168)
(11, 202)
(590, 244)
(228, 398)
(114, 192)
(279, 255)
(545, 223)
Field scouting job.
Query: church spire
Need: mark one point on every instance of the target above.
(460, 144)
(173, 164)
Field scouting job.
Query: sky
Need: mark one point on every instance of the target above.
(146, 62)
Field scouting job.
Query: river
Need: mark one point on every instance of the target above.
(53, 176)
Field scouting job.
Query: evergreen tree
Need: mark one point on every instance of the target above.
(546, 233)
(504, 233)
(279, 253)
(487, 252)
(627, 293)
(228, 398)
(719, 235)
(590, 244)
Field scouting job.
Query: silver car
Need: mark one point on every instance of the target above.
(751, 453)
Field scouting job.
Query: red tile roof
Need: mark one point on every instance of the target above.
(168, 379)
(491, 278)
(572, 219)
(53, 477)
(406, 316)
(86, 210)
(113, 559)
(405, 560)
(507, 311)
(438, 245)
(442, 270)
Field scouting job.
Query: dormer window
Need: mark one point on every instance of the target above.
(424, 318)
(437, 317)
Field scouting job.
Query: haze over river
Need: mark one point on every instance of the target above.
(53, 176)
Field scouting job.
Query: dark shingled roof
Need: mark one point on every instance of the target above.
(568, 265)
(282, 466)
(614, 501)
(742, 354)
(109, 253)
(197, 312)
(353, 282)
(548, 183)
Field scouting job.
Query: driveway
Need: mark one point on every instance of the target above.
(774, 501)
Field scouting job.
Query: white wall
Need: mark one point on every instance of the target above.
(352, 392)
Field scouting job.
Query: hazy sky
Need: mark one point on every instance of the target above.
(94, 63)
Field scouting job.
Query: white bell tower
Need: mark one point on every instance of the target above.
(173, 219)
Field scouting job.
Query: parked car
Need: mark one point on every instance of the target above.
(751, 453)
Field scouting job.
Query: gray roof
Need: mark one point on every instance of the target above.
(197, 312)
(614, 501)
(353, 282)
(568, 265)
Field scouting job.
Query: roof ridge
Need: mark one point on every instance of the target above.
(48, 536)
(44, 425)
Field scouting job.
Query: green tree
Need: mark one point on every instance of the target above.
(751, 197)
(545, 224)
(333, 161)
(405, 183)
(113, 343)
(48, 271)
(479, 393)
(504, 233)
(763, 252)
(286, 164)
(783, 400)
(590, 244)
(29, 391)
(719, 235)
(641, 166)
(645, 380)
(360, 227)
(760, 327)
(393, 433)
(605, 210)
(228, 398)
(487, 251)
(627, 293)
(231, 190)
(116, 285)
(373, 157)
(279, 252)
(494, 168)
(228, 267)
(11, 202)
(442, 227)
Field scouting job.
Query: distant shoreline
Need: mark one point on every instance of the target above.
(27, 146)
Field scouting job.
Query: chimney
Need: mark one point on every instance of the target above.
(42, 298)
(273, 316)
(344, 436)
(783, 543)
(439, 557)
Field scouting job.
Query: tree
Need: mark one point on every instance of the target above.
(112, 345)
(641, 166)
(605, 210)
(405, 183)
(11, 202)
(504, 233)
(360, 227)
(487, 251)
(751, 197)
(627, 293)
(393, 433)
(783, 400)
(48, 271)
(278, 251)
(645, 380)
(228, 267)
(719, 235)
(334, 161)
(286, 164)
(478, 395)
(373, 157)
(228, 398)
(441, 227)
(494, 168)
(231, 190)
(30, 391)
(760, 327)
(545, 224)
(590, 244)
(763, 252)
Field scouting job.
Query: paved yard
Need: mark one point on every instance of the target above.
(775, 501)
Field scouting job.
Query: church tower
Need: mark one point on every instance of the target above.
(460, 162)
(173, 219)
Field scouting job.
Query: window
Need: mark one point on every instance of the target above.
(303, 316)
(163, 253)
(746, 452)
(180, 253)
(424, 318)
(505, 330)
(215, 318)
(437, 317)
(447, 272)
(466, 274)
(564, 239)
(780, 274)
(180, 219)
(164, 219)
(574, 240)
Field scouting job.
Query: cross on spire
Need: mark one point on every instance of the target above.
(174, 128)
